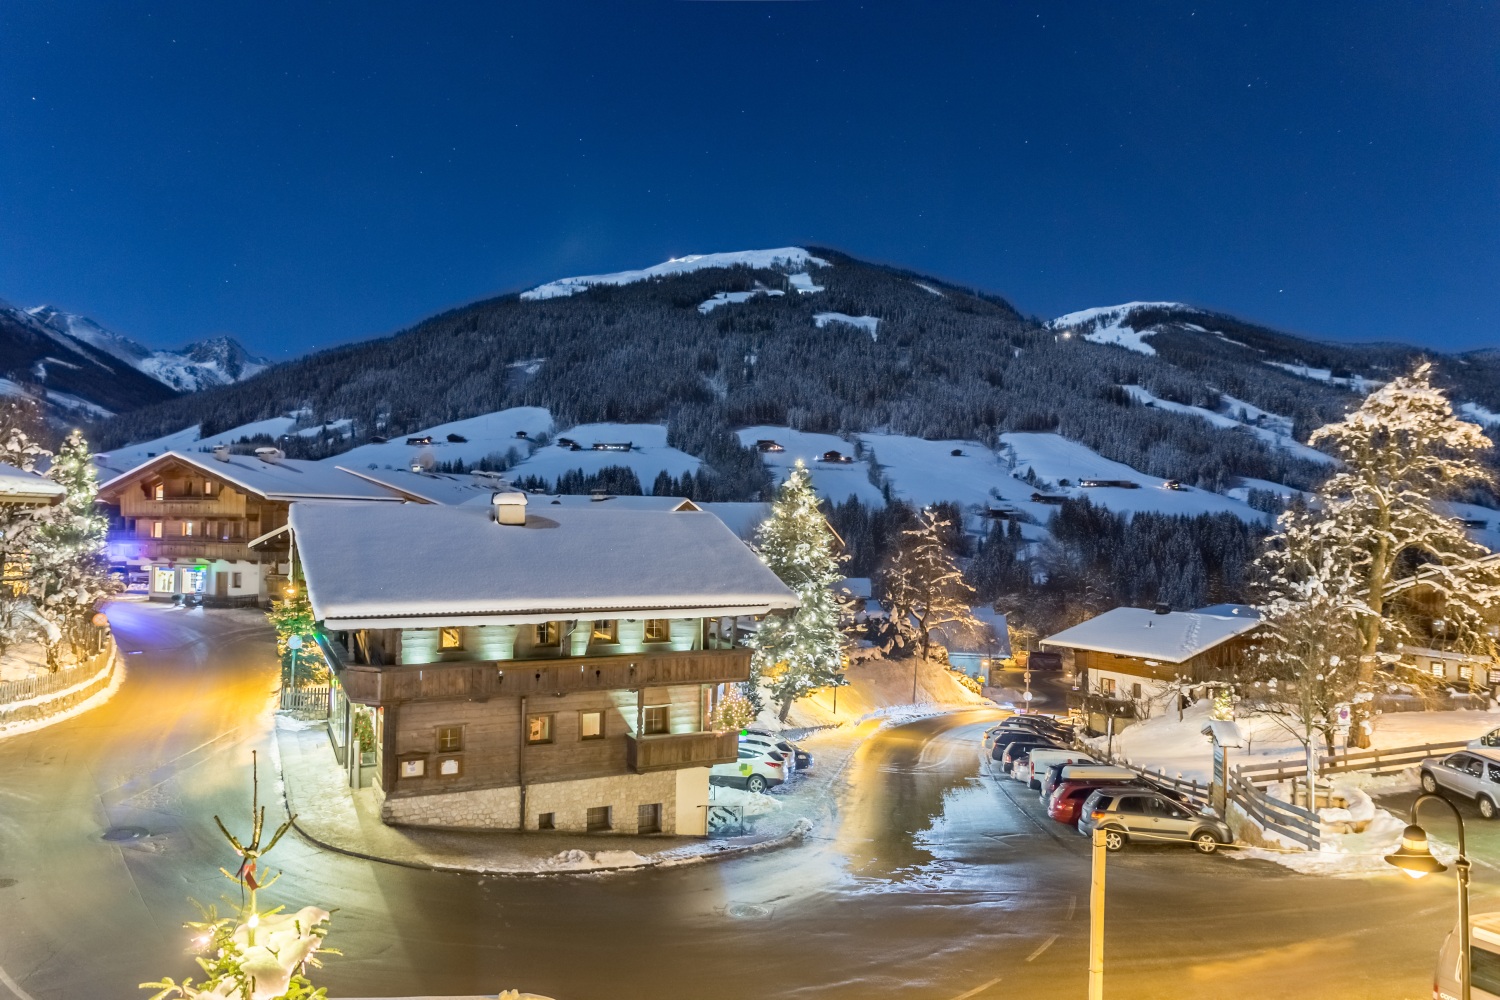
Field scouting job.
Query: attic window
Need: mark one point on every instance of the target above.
(208, 487)
(160, 491)
(450, 638)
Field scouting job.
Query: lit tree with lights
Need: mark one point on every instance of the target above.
(70, 573)
(799, 651)
(924, 586)
(18, 527)
(1375, 529)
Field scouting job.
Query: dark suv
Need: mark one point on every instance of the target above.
(1149, 816)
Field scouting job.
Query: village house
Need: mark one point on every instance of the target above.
(530, 665)
(1131, 659)
(213, 525)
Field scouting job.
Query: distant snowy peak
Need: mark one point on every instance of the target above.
(200, 365)
(1116, 324)
(789, 259)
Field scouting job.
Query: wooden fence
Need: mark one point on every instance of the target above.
(1299, 825)
(1371, 761)
(309, 700)
(1190, 791)
(44, 684)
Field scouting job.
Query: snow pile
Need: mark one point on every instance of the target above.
(725, 298)
(1111, 325)
(869, 324)
(751, 804)
(648, 456)
(1351, 841)
(576, 860)
(783, 258)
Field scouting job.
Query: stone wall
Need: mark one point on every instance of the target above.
(477, 809)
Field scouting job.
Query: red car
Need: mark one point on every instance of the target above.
(1067, 798)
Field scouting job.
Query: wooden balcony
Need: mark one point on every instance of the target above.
(228, 504)
(676, 750)
(479, 680)
(194, 547)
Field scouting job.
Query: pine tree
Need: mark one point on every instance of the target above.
(70, 573)
(1377, 527)
(923, 584)
(801, 650)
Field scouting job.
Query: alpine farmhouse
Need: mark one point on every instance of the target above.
(543, 667)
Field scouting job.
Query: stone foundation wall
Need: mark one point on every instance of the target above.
(45, 706)
(567, 801)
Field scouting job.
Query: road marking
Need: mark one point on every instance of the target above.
(21, 994)
(1041, 948)
(978, 989)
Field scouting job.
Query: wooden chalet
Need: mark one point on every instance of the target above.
(537, 666)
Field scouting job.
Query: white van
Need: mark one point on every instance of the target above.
(1040, 759)
(1484, 960)
(1079, 772)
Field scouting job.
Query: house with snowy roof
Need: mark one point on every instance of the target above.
(530, 665)
(1132, 657)
(213, 525)
(17, 486)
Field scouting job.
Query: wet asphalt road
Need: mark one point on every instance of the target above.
(936, 882)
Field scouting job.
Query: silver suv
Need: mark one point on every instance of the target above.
(1128, 813)
(1470, 774)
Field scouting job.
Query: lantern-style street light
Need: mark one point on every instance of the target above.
(1415, 858)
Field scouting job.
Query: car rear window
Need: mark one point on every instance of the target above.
(1484, 969)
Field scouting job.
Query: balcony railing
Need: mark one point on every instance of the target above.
(191, 547)
(228, 505)
(477, 680)
(675, 750)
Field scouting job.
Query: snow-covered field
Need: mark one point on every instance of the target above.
(487, 434)
(1111, 325)
(190, 439)
(1273, 429)
(794, 258)
(727, 298)
(1355, 383)
(869, 324)
(1164, 744)
(837, 482)
(648, 456)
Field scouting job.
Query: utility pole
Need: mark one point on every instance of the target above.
(1096, 919)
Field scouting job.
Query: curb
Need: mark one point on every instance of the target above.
(793, 836)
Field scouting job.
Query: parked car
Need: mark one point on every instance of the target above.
(1148, 816)
(1066, 802)
(1473, 774)
(1019, 750)
(797, 758)
(1007, 740)
(1042, 758)
(1484, 959)
(756, 770)
(1489, 741)
(1027, 723)
(1058, 773)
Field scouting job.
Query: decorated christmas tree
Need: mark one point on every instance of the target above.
(69, 569)
(801, 650)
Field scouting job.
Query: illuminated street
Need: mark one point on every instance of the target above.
(937, 881)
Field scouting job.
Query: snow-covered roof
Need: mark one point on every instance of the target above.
(284, 479)
(20, 486)
(990, 634)
(536, 501)
(429, 487)
(742, 516)
(1174, 637)
(1230, 611)
(409, 565)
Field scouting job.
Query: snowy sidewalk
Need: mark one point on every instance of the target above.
(336, 817)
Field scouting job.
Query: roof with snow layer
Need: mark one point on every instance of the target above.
(20, 486)
(1174, 637)
(410, 565)
(284, 479)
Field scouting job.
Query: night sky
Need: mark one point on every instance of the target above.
(308, 174)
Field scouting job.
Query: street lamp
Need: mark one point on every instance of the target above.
(1415, 858)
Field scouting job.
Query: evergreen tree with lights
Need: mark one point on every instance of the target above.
(924, 586)
(70, 573)
(19, 524)
(801, 650)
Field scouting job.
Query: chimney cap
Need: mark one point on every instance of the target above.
(509, 498)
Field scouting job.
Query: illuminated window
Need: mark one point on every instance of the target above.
(450, 638)
(591, 725)
(209, 487)
(547, 634)
(187, 529)
(1437, 668)
(606, 631)
(194, 581)
(160, 492)
(450, 739)
(657, 630)
(1107, 686)
(1465, 672)
(163, 580)
(538, 729)
(655, 720)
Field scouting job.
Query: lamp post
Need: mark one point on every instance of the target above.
(1414, 858)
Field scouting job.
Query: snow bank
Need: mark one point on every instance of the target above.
(576, 860)
(881, 688)
(784, 257)
(752, 804)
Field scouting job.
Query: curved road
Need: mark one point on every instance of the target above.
(937, 880)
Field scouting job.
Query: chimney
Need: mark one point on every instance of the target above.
(221, 452)
(1164, 609)
(269, 455)
(510, 508)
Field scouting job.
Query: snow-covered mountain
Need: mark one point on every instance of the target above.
(200, 365)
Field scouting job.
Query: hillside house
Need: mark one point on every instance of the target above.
(835, 457)
(1127, 659)
(534, 666)
(213, 525)
(17, 486)
(769, 445)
